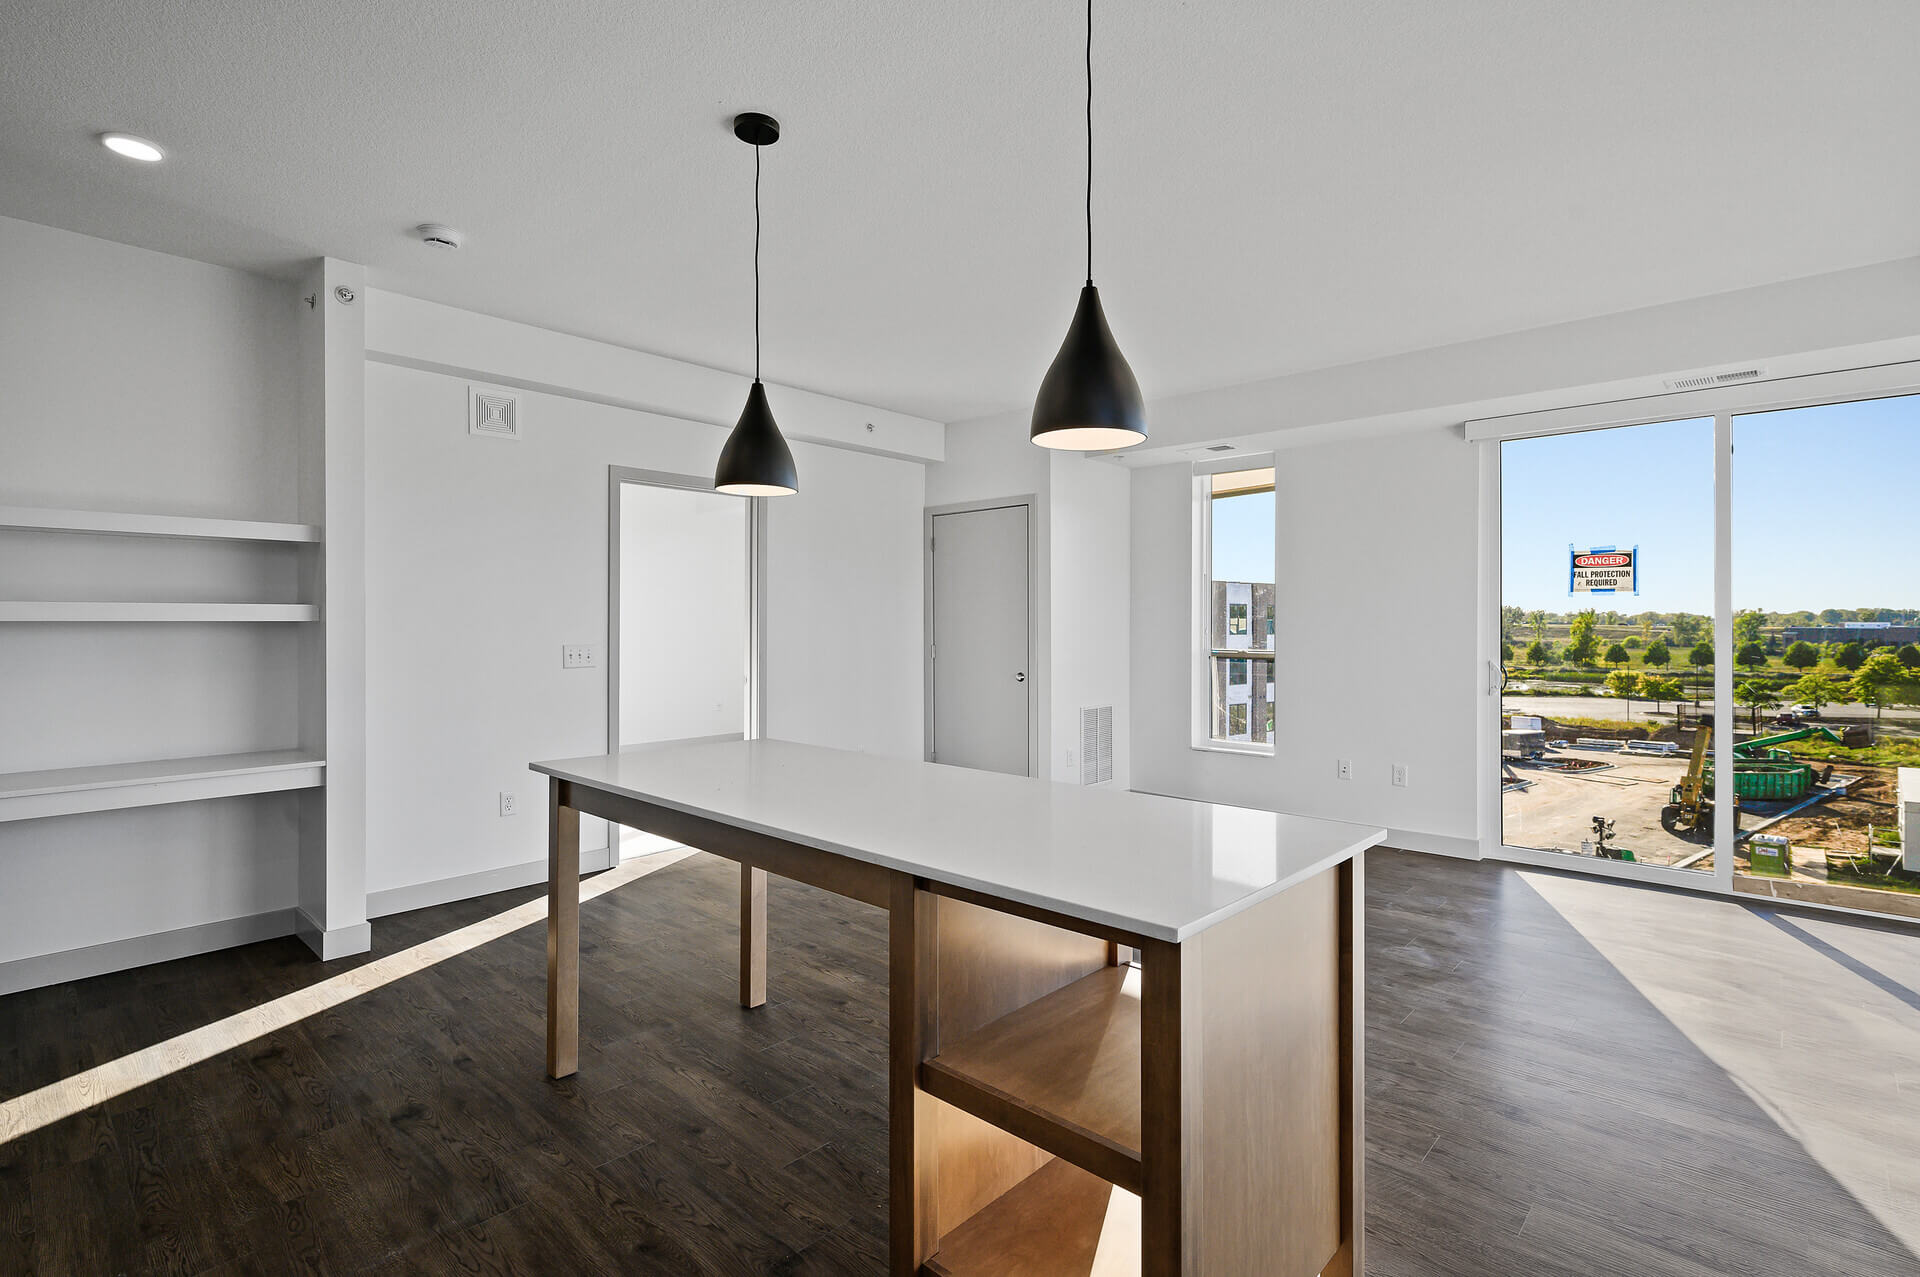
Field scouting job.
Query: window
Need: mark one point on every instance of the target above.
(1746, 693)
(1235, 603)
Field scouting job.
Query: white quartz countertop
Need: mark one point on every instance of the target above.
(1163, 868)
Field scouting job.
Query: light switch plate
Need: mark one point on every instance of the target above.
(578, 656)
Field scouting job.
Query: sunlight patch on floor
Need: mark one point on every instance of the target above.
(1826, 1070)
(60, 1100)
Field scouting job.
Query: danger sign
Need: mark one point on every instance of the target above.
(1603, 570)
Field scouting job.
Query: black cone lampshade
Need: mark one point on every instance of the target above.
(756, 461)
(1089, 399)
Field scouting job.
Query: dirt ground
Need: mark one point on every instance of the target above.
(1840, 824)
(1556, 811)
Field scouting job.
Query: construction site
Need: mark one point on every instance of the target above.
(1809, 828)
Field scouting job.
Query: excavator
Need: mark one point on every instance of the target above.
(1762, 772)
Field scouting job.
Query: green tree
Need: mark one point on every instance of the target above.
(1539, 652)
(1506, 653)
(1747, 626)
(1617, 655)
(1582, 644)
(1623, 683)
(1657, 654)
(1702, 654)
(1802, 656)
(1816, 690)
(1657, 689)
(1751, 655)
(1646, 627)
(1756, 696)
(1511, 618)
(1633, 643)
(1688, 629)
(1537, 622)
(1909, 656)
(1882, 680)
(1850, 656)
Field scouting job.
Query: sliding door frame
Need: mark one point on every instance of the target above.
(1723, 404)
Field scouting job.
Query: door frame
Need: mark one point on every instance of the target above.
(1031, 503)
(1723, 404)
(755, 586)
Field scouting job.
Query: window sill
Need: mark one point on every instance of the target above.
(1231, 747)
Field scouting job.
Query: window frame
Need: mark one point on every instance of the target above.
(1200, 653)
(1723, 404)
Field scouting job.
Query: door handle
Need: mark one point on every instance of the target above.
(1021, 677)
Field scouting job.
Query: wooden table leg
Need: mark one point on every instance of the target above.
(1350, 1259)
(753, 936)
(563, 932)
(912, 1030)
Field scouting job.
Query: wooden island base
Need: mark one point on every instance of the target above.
(1053, 1110)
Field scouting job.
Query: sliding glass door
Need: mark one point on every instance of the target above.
(1606, 632)
(1707, 664)
(1826, 590)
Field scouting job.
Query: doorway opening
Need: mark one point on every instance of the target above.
(684, 616)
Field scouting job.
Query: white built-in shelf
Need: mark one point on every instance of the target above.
(89, 611)
(66, 790)
(37, 519)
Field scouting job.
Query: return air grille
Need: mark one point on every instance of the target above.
(492, 413)
(1702, 380)
(1096, 745)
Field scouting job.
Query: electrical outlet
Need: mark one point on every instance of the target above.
(1400, 775)
(508, 803)
(578, 656)
(1343, 768)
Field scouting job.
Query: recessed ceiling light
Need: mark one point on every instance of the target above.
(133, 148)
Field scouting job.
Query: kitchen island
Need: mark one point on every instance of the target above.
(1125, 1029)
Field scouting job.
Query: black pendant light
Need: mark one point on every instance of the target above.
(756, 461)
(1089, 400)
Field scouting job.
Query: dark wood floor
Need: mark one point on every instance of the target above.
(1534, 1107)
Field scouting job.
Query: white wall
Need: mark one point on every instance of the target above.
(1090, 512)
(141, 382)
(683, 614)
(485, 556)
(1376, 580)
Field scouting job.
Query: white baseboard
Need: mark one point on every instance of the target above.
(1434, 844)
(341, 942)
(424, 895)
(139, 951)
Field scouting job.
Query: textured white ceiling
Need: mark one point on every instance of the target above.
(1280, 186)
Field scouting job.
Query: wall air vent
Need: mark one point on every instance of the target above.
(493, 413)
(1096, 745)
(1703, 380)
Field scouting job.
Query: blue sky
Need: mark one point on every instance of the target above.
(1825, 510)
(1243, 537)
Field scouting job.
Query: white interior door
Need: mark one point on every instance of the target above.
(982, 677)
(685, 619)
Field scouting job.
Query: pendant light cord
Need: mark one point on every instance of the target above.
(1089, 142)
(756, 262)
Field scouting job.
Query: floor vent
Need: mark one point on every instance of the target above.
(1096, 745)
(492, 413)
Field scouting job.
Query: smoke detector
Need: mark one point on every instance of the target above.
(438, 236)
